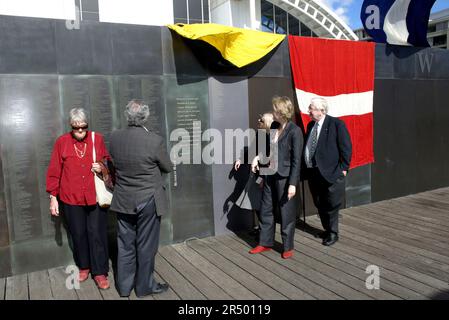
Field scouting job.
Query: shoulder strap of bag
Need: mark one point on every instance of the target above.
(94, 156)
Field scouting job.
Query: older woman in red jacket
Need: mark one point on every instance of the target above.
(70, 183)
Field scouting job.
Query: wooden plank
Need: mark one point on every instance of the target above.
(179, 284)
(39, 285)
(399, 216)
(111, 293)
(411, 260)
(379, 231)
(2, 288)
(396, 234)
(426, 256)
(260, 271)
(228, 284)
(358, 271)
(439, 198)
(352, 248)
(404, 219)
(430, 202)
(58, 285)
(234, 270)
(372, 215)
(411, 204)
(430, 234)
(417, 204)
(345, 278)
(282, 279)
(297, 266)
(423, 207)
(167, 295)
(17, 287)
(195, 276)
(400, 210)
(362, 259)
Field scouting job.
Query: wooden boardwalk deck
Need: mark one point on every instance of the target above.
(407, 238)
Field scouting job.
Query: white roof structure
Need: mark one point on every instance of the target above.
(318, 17)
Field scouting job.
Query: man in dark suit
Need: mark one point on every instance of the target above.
(140, 158)
(327, 156)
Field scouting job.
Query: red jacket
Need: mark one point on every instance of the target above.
(69, 176)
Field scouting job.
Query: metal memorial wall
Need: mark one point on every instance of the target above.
(411, 114)
(46, 69)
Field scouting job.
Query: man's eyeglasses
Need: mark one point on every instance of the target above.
(76, 128)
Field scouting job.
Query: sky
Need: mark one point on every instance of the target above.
(349, 10)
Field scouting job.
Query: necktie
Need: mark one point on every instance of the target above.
(313, 144)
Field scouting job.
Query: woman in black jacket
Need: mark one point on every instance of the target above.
(282, 179)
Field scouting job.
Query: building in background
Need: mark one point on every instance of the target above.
(296, 17)
(437, 31)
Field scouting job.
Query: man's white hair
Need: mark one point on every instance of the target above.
(320, 103)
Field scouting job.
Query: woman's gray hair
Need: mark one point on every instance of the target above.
(136, 112)
(78, 115)
(320, 103)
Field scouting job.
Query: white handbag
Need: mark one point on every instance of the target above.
(104, 196)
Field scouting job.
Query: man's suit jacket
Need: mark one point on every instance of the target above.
(290, 145)
(334, 148)
(139, 158)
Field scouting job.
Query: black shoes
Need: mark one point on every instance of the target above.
(330, 239)
(160, 288)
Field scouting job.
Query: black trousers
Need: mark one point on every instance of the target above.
(87, 226)
(275, 191)
(328, 198)
(138, 241)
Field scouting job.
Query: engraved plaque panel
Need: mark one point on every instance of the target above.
(190, 184)
(31, 121)
(20, 161)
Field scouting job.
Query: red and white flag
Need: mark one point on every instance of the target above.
(342, 72)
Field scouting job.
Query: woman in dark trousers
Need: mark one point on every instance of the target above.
(70, 183)
(282, 179)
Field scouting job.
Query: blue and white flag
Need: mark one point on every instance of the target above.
(400, 22)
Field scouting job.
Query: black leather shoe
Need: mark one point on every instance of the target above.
(160, 288)
(330, 239)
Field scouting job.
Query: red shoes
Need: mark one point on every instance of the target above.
(102, 282)
(287, 254)
(259, 249)
(83, 275)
